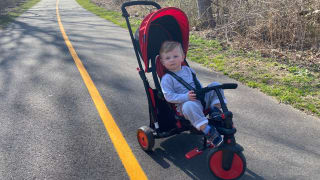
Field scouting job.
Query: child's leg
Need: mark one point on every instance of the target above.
(212, 99)
(212, 134)
(193, 111)
(213, 102)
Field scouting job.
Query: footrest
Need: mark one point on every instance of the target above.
(193, 153)
(226, 131)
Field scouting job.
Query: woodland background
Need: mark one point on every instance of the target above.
(284, 29)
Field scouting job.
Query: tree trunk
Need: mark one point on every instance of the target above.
(205, 13)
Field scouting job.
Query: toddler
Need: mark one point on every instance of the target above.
(171, 57)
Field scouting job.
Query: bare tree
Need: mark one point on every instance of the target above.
(205, 13)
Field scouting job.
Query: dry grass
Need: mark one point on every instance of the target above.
(286, 30)
(293, 24)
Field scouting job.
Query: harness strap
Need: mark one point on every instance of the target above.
(183, 82)
(200, 96)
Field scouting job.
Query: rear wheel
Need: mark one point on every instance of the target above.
(237, 169)
(145, 138)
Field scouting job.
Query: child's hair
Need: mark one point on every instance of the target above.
(168, 46)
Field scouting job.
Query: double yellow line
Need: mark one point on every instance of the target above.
(128, 159)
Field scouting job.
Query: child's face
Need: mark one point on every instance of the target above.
(172, 60)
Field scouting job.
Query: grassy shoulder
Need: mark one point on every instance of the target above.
(289, 84)
(15, 12)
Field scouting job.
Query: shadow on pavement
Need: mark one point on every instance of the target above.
(172, 151)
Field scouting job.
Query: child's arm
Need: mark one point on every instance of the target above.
(192, 95)
(170, 94)
(173, 97)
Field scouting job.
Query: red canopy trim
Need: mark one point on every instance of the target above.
(181, 19)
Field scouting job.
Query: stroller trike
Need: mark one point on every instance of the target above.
(225, 161)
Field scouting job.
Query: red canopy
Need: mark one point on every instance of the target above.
(180, 18)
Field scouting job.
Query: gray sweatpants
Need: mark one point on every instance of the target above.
(193, 110)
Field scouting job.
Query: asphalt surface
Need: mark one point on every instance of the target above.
(50, 128)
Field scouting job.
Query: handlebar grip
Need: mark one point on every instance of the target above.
(221, 86)
(134, 3)
(229, 86)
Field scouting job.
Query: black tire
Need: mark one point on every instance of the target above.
(237, 169)
(145, 138)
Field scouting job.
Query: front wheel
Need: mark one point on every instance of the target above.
(145, 138)
(237, 169)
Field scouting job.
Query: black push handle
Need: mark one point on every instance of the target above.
(221, 86)
(217, 87)
(229, 86)
(134, 3)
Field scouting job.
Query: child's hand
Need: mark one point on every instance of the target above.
(192, 96)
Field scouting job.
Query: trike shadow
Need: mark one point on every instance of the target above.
(172, 150)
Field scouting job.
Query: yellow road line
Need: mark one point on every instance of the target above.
(128, 159)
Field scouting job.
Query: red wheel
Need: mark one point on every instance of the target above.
(145, 138)
(237, 169)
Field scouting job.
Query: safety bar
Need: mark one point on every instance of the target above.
(216, 89)
(221, 86)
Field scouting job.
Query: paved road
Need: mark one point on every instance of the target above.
(50, 128)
